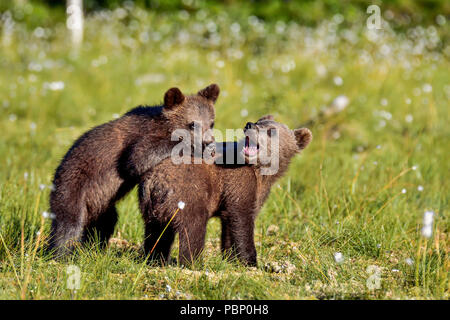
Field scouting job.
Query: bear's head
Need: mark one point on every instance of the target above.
(269, 143)
(192, 115)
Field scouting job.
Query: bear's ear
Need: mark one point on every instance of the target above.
(211, 92)
(303, 137)
(173, 97)
(267, 117)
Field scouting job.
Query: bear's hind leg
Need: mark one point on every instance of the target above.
(65, 235)
(192, 241)
(102, 228)
(226, 237)
(159, 250)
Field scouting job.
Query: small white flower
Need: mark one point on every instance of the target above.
(168, 288)
(403, 191)
(428, 218)
(338, 81)
(181, 205)
(25, 175)
(41, 186)
(38, 233)
(12, 117)
(414, 168)
(338, 257)
(427, 88)
(33, 126)
(220, 64)
(384, 102)
(321, 70)
(378, 146)
(440, 19)
(409, 261)
(45, 214)
(378, 245)
(395, 270)
(340, 102)
(420, 188)
(427, 231)
(409, 118)
(54, 86)
(244, 112)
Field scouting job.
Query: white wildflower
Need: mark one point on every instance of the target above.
(244, 112)
(427, 229)
(220, 64)
(440, 19)
(420, 188)
(340, 102)
(427, 88)
(338, 81)
(409, 261)
(54, 86)
(428, 218)
(338, 257)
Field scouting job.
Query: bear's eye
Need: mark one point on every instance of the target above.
(192, 125)
(212, 125)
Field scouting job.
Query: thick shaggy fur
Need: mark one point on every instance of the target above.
(235, 193)
(107, 161)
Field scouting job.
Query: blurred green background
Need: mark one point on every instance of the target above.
(309, 12)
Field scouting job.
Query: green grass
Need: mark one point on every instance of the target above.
(343, 194)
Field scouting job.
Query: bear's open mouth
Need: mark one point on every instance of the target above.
(250, 148)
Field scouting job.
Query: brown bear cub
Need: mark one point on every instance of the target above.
(106, 162)
(234, 193)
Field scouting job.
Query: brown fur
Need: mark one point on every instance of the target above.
(235, 193)
(106, 162)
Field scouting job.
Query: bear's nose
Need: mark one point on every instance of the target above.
(250, 125)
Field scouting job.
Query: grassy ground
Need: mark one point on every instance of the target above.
(360, 189)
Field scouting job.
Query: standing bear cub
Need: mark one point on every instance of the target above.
(106, 162)
(235, 193)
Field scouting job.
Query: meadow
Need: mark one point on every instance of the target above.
(346, 220)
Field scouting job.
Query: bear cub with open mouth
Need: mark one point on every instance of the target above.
(234, 193)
